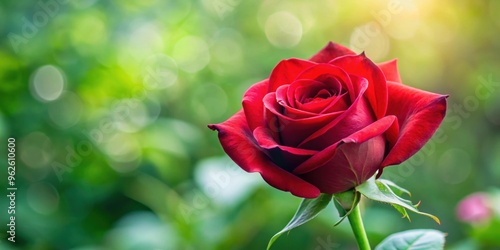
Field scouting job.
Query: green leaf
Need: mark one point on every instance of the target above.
(345, 203)
(402, 210)
(418, 239)
(381, 191)
(308, 209)
(395, 188)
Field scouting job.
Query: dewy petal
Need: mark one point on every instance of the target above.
(330, 52)
(238, 142)
(286, 71)
(324, 156)
(252, 104)
(419, 114)
(377, 87)
(390, 69)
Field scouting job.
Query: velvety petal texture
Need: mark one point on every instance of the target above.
(238, 142)
(327, 124)
(419, 115)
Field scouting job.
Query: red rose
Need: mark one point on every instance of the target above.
(327, 124)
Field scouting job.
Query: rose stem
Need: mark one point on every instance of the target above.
(358, 228)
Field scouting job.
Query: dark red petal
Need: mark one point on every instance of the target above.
(238, 142)
(285, 157)
(368, 132)
(330, 52)
(322, 71)
(352, 165)
(252, 104)
(390, 69)
(282, 95)
(357, 116)
(286, 71)
(291, 129)
(264, 138)
(419, 114)
(339, 103)
(377, 87)
(287, 109)
(304, 91)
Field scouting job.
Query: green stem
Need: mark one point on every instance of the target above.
(358, 228)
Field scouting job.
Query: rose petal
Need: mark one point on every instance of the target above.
(341, 102)
(352, 165)
(286, 71)
(390, 69)
(357, 116)
(238, 142)
(304, 92)
(287, 109)
(285, 157)
(419, 114)
(330, 52)
(370, 131)
(291, 129)
(323, 71)
(377, 87)
(252, 104)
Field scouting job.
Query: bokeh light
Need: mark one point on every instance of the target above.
(47, 83)
(283, 29)
(66, 111)
(191, 54)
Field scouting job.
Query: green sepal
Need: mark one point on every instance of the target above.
(308, 209)
(345, 202)
(383, 191)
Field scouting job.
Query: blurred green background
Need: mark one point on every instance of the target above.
(109, 100)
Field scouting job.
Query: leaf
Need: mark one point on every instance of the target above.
(402, 210)
(308, 209)
(395, 188)
(380, 191)
(418, 239)
(345, 202)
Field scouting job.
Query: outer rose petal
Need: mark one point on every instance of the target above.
(252, 104)
(377, 90)
(238, 142)
(352, 165)
(390, 69)
(360, 136)
(419, 114)
(330, 52)
(352, 162)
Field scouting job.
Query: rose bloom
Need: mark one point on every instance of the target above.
(327, 124)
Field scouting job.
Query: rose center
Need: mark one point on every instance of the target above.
(321, 95)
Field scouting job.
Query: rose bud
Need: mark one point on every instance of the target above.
(475, 208)
(327, 124)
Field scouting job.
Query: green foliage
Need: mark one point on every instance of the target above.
(379, 190)
(418, 239)
(307, 210)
